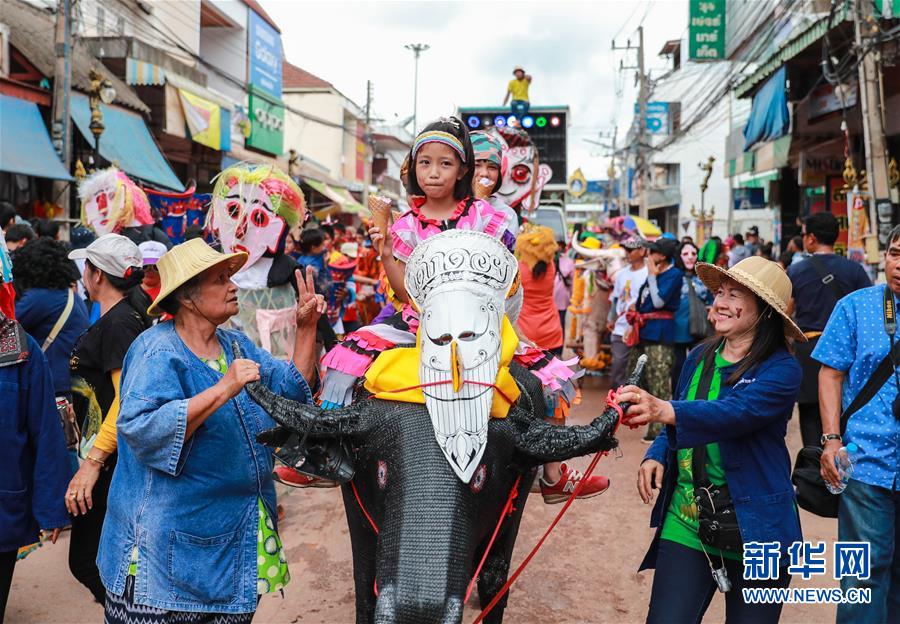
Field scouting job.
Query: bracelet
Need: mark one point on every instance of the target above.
(95, 460)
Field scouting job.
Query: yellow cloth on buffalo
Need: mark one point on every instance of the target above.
(394, 375)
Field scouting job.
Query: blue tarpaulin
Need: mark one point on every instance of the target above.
(769, 115)
(127, 142)
(25, 146)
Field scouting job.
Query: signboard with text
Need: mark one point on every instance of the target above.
(658, 118)
(837, 205)
(264, 50)
(706, 30)
(266, 123)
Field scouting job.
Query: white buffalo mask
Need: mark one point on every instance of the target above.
(459, 280)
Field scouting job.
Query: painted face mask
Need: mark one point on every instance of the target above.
(459, 281)
(525, 177)
(111, 201)
(252, 210)
(689, 257)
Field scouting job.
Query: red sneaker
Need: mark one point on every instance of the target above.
(293, 478)
(561, 490)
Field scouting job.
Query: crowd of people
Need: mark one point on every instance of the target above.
(125, 361)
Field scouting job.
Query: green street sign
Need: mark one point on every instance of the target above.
(706, 30)
(266, 123)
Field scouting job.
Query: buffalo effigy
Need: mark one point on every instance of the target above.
(444, 437)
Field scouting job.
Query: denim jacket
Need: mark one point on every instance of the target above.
(749, 421)
(189, 506)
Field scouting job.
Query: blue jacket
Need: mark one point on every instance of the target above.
(749, 422)
(34, 463)
(190, 506)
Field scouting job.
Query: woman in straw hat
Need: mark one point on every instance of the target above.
(191, 512)
(722, 465)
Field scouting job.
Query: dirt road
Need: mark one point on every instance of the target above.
(586, 572)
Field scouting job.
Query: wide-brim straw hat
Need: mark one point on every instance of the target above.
(188, 260)
(764, 278)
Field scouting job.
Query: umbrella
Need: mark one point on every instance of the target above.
(645, 227)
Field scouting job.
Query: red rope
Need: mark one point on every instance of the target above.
(507, 510)
(612, 400)
(527, 560)
(365, 513)
(448, 381)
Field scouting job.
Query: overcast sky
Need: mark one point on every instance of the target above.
(474, 46)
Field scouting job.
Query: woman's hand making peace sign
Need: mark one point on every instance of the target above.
(310, 306)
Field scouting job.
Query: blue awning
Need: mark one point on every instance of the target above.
(769, 115)
(25, 146)
(127, 142)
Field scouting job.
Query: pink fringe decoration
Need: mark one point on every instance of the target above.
(347, 361)
(555, 372)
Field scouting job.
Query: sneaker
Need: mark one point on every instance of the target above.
(293, 478)
(562, 489)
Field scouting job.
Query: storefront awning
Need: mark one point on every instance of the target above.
(25, 146)
(127, 142)
(802, 40)
(339, 196)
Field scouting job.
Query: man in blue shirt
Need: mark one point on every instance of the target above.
(818, 282)
(657, 302)
(851, 347)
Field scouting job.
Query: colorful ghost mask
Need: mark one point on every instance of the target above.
(525, 177)
(111, 201)
(459, 280)
(253, 207)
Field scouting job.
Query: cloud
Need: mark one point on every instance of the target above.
(474, 46)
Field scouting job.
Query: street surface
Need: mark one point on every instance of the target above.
(586, 571)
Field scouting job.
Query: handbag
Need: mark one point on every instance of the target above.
(812, 495)
(718, 520)
(699, 326)
(71, 430)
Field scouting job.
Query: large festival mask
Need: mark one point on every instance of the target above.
(459, 280)
(111, 201)
(253, 207)
(525, 177)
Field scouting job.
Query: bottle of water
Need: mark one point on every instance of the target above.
(843, 461)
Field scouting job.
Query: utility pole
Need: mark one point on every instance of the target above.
(417, 49)
(880, 210)
(367, 174)
(62, 89)
(642, 166)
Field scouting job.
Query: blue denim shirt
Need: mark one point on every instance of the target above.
(749, 421)
(189, 505)
(854, 341)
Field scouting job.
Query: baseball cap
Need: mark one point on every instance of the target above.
(665, 246)
(351, 250)
(633, 242)
(152, 251)
(754, 230)
(111, 253)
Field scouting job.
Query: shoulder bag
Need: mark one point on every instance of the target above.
(812, 494)
(71, 431)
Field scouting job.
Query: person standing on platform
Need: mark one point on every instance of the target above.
(518, 90)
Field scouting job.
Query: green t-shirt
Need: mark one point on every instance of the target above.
(681, 524)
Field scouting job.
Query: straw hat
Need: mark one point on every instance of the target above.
(765, 278)
(188, 260)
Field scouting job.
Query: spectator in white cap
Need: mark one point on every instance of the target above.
(112, 269)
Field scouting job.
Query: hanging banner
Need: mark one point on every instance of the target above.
(266, 123)
(204, 119)
(264, 50)
(837, 205)
(857, 226)
(706, 30)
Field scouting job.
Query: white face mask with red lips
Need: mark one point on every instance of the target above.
(245, 221)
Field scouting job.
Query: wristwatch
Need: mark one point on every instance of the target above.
(830, 436)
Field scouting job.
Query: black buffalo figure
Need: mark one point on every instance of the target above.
(432, 528)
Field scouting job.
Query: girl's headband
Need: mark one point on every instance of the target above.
(436, 136)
